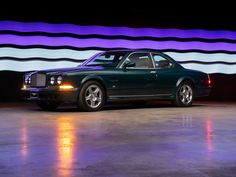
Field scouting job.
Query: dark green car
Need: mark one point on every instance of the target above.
(124, 75)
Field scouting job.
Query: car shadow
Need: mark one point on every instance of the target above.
(123, 106)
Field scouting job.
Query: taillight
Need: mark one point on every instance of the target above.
(209, 80)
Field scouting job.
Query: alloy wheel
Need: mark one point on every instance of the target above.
(186, 94)
(93, 96)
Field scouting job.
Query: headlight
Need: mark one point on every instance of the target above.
(52, 80)
(59, 80)
(27, 80)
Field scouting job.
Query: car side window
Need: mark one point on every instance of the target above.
(161, 62)
(141, 60)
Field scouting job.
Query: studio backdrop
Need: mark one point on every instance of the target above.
(34, 46)
(29, 46)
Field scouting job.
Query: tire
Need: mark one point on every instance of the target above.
(92, 96)
(48, 105)
(184, 94)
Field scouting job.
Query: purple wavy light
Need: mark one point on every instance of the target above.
(117, 43)
(111, 43)
(111, 31)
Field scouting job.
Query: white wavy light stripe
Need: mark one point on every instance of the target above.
(202, 57)
(40, 65)
(34, 65)
(214, 68)
(74, 54)
(46, 53)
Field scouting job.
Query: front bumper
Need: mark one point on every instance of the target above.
(50, 94)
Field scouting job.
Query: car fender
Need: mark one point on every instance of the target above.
(184, 78)
(92, 77)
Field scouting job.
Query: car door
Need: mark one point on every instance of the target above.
(140, 79)
(167, 75)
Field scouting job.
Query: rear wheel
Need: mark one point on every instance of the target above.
(92, 96)
(184, 94)
(48, 105)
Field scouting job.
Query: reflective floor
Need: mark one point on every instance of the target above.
(154, 140)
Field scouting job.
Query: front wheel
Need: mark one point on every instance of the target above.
(92, 96)
(184, 94)
(48, 105)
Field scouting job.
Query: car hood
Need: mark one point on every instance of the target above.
(62, 71)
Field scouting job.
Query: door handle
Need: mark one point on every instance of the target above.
(153, 72)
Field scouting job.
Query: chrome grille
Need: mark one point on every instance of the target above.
(38, 80)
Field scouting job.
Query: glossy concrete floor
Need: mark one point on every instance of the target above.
(155, 140)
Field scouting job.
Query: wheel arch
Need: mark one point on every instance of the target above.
(182, 79)
(98, 79)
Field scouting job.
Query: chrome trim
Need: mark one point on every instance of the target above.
(38, 80)
(117, 96)
(153, 62)
(48, 88)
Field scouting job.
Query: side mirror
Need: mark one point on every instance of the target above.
(128, 64)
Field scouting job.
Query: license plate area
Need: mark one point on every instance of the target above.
(34, 95)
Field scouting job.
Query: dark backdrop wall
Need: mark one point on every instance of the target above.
(136, 17)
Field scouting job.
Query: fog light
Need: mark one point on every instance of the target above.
(65, 87)
(24, 87)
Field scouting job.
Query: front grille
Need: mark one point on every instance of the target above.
(38, 80)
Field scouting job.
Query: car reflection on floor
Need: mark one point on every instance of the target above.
(148, 141)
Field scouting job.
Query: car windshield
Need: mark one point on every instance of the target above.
(106, 59)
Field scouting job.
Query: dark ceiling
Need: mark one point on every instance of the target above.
(164, 15)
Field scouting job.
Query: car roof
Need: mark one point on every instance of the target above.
(145, 50)
(134, 50)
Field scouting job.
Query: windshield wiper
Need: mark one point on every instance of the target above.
(93, 65)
